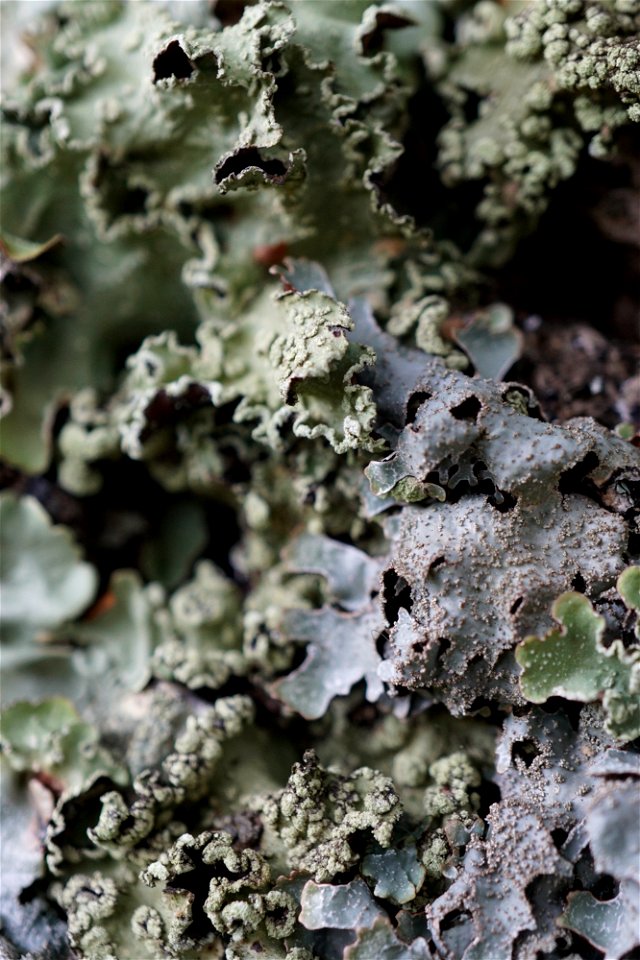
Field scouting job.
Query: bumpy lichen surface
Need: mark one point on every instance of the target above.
(319, 641)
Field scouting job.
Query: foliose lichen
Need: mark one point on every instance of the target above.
(320, 640)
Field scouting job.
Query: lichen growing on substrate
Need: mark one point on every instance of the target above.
(320, 642)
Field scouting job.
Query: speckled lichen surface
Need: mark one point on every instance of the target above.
(320, 638)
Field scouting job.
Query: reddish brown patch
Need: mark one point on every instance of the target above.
(102, 605)
(270, 254)
(451, 326)
(390, 247)
(41, 786)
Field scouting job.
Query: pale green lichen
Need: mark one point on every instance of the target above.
(140, 111)
(426, 317)
(201, 632)
(50, 739)
(184, 774)
(628, 586)
(573, 662)
(297, 729)
(288, 362)
(237, 902)
(543, 82)
(108, 916)
(452, 792)
(42, 573)
(318, 813)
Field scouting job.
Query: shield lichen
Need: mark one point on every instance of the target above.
(287, 567)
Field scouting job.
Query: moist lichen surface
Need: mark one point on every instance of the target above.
(320, 578)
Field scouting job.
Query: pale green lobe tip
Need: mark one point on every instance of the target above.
(574, 611)
(573, 663)
(628, 586)
(183, 161)
(22, 251)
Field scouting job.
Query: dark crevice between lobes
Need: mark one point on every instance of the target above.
(415, 402)
(165, 410)
(195, 883)
(467, 410)
(525, 750)
(578, 583)
(502, 500)
(397, 595)
(576, 479)
(442, 645)
(172, 62)
(515, 606)
(229, 12)
(247, 157)
(373, 41)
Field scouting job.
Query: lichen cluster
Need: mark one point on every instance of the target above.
(320, 642)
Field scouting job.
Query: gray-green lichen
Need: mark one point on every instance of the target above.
(202, 632)
(284, 704)
(318, 813)
(543, 81)
(183, 775)
(233, 882)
